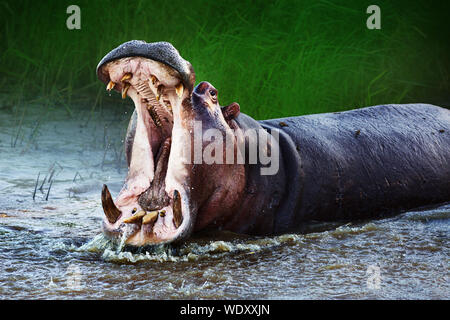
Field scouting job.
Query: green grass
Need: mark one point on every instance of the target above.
(275, 58)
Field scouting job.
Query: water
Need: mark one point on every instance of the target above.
(54, 249)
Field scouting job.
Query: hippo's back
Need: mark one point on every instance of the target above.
(371, 161)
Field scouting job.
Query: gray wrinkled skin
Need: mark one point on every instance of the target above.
(363, 163)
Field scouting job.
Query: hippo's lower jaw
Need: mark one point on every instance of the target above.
(154, 204)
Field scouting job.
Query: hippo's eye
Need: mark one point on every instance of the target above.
(212, 93)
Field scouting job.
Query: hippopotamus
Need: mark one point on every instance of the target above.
(342, 166)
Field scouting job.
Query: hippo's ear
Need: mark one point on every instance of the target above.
(231, 111)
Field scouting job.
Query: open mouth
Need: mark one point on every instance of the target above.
(153, 205)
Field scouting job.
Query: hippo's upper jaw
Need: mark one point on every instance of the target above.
(153, 205)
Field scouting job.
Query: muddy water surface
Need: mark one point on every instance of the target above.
(52, 247)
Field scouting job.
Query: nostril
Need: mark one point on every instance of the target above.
(202, 87)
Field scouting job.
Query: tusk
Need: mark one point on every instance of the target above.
(126, 76)
(177, 215)
(154, 79)
(110, 85)
(110, 209)
(150, 217)
(137, 217)
(124, 90)
(179, 89)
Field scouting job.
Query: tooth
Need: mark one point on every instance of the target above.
(110, 209)
(126, 76)
(135, 218)
(154, 79)
(150, 217)
(177, 215)
(154, 116)
(125, 88)
(179, 89)
(110, 85)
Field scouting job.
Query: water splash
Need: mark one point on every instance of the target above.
(121, 245)
(119, 252)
